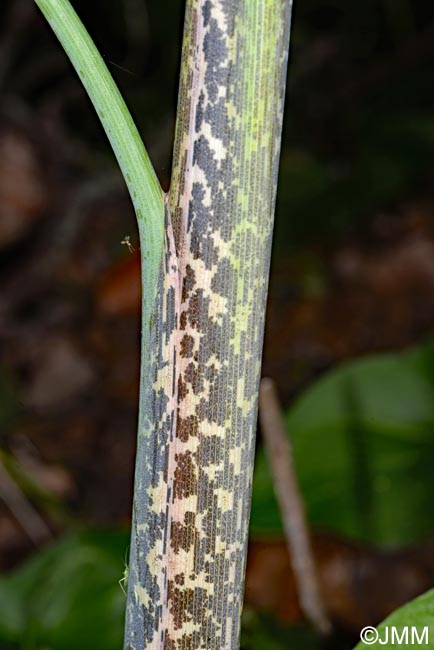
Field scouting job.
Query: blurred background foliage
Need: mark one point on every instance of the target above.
(349, 335)
(363, 442)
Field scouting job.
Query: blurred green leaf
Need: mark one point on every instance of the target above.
(68, 596)
(416, 615)
(363, 441)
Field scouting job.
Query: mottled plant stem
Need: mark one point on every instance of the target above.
(195, 459)
(205, 259)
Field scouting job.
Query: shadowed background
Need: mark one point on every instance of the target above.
(349, 326)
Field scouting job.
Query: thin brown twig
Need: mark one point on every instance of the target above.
(290, 501)
(22, 510)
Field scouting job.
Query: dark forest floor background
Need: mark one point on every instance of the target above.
(352, 272)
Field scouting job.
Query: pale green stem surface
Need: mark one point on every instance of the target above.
(136, 167)
(204, 288)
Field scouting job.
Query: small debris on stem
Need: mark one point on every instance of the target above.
(127, 242)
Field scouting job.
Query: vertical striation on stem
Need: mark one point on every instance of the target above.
(204, 278)
(200, 386)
